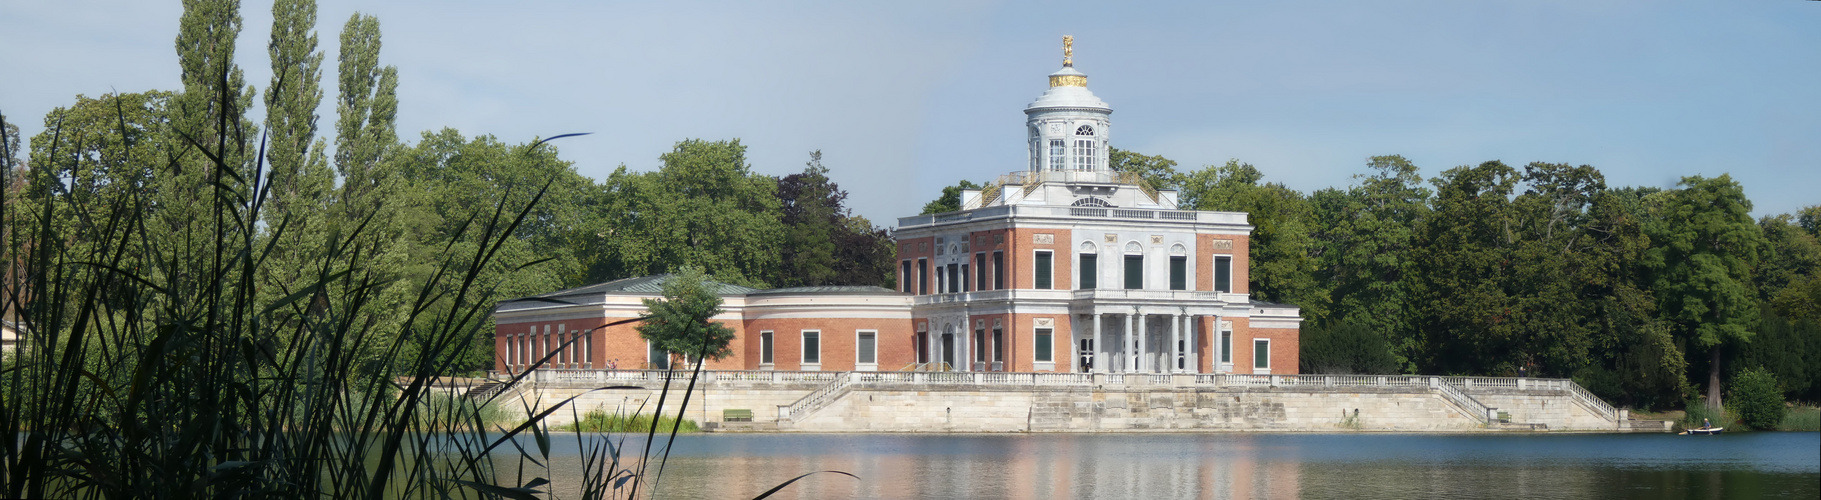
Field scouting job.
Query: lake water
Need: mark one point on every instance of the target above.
(1035, 466)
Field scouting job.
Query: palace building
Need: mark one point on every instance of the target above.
(1062, 266)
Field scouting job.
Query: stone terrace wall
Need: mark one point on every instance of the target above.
(967, 402)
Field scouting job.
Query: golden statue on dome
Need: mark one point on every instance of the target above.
(1068, 50)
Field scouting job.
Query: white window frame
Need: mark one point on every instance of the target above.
(859, 366)
(588, 349)
(803, 349)
(1216, 274)
(1084, 154)
(1257, 370)
(1058, 155)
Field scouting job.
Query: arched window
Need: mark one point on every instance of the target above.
(1089, 269)
(1085, 131)
(1091, 202)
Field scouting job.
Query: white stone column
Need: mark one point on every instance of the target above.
(1194, 354)
(1175, 342)
(1100, 362)
(1144, 354)
(966, 341)
(1128, 353)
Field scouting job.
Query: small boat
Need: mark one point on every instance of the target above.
(1715, 430)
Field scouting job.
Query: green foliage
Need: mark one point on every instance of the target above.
(1786, 348)
(601, 421)
(1363, 238)
(1283, 266)
(1801, 419)
(1756, 399)
(704, 207)
(824, 243)
(1701, 260)
(1699, 412)
(680, 321)
(1157, 171)
(950, 200)
(1346, 349)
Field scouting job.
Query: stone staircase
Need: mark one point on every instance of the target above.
(818, 399)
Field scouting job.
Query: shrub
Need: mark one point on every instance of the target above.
(1757, 399)
(1346, 349)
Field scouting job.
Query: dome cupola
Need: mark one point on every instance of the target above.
(1068, 125)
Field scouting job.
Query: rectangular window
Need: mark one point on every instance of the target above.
(657, 358)
(1084, 154)
(588, 348)
(868, 348)
(904, 277)
(812, 347)
(1134, 272)
(1179, 272)
(980, 271)
(1090, 269)
(1261, 354)
(998, 344)
(965, 284)
(1044, 349)
(1056, 154)
(1043, 270)
(922, 277)
(980, 343)
(954, 278)
(1223, 273)
(1226, 346)
(998, 270)
(765, 348)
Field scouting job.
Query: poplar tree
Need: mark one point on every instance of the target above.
(367, 108)
(301, 178)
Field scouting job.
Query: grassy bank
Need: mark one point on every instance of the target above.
(1802, 418)
(600, 421)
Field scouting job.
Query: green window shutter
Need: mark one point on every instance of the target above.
(1223, 274)
(1043, 270)
(1179, 273)
(1044, 347)
(1134, 272)
(1090, 268)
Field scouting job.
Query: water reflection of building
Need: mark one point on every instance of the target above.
(1064, 265)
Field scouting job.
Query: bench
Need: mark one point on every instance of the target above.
(736, 415)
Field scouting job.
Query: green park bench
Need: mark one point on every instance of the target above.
(732, 415)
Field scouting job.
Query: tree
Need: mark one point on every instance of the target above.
(1156, 171)
(681, 322)
(1363, 238)
(1282, 266)
(1345, 350)
(825, 244)
(367, 112)
(1707, 247)
(1462, 256)
(950, 200)
(703, 207)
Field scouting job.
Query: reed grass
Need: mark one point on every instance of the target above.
(1802, 418)
(158, 359)
(601, 421)
(1696, 411)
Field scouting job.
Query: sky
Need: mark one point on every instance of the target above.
(904, 98)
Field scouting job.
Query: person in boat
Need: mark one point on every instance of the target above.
(1706, 424)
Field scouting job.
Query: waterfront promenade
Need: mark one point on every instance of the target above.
(788, 401)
